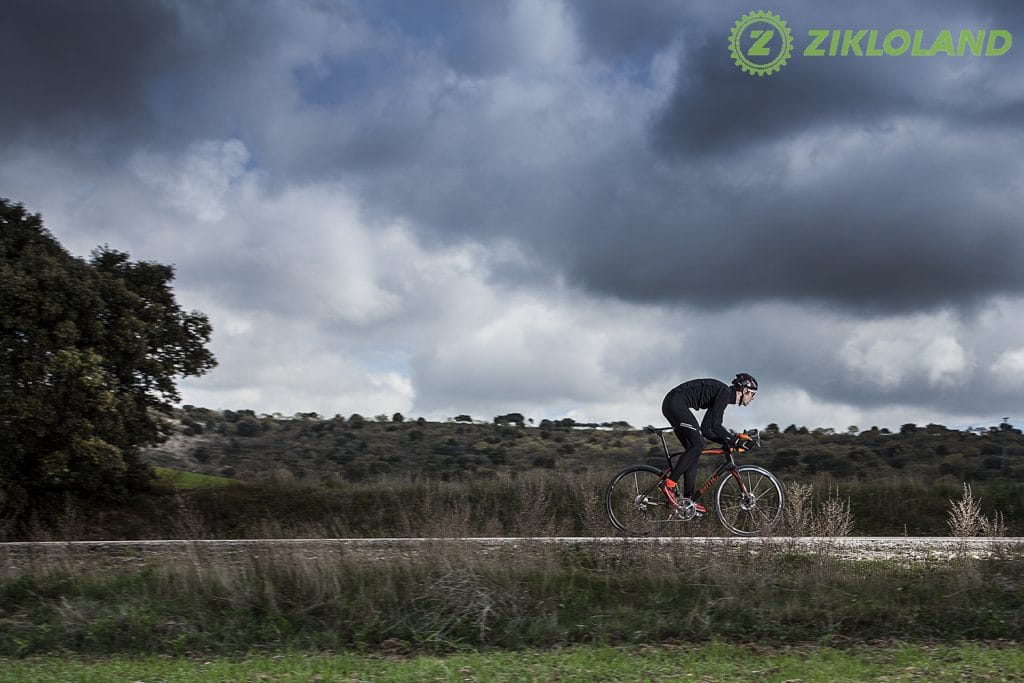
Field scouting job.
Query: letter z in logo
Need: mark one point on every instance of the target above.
(760, 46)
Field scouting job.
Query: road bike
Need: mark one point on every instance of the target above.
(748, 500)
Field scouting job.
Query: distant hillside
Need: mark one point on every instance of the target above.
(307, 447)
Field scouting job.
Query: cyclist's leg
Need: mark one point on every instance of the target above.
(686, 465)
(684, 423)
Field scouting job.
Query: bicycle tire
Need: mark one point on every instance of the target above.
(754, 512)
(635, 503)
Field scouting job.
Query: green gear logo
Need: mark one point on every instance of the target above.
(771, 43)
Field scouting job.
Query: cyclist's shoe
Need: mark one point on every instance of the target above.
(668, 487)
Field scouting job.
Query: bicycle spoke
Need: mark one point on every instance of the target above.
(752, 487)
(732, 515)
(756, 490)
(759, 514)
(750, 501)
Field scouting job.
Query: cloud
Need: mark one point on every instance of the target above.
(561, 208)
(197, 182)
(79, 70)
(274, 365)
(1009, 366)
(851, 186)
(922, 350)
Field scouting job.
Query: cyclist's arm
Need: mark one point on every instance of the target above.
(711, 426)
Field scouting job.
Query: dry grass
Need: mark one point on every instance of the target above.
(804, 516)
(798, 514)
(966, 520)
(834, 516)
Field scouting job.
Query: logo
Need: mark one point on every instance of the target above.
(760, 43)
(896, 42)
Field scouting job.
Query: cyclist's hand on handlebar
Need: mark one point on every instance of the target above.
(747, 441)
(738, 442)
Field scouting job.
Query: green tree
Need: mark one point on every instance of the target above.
(511, 418)
(248, 426)
(89, 351)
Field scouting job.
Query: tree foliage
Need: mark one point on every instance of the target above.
(511, 418)
(89, 349)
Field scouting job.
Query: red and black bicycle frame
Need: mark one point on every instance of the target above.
(727, 467)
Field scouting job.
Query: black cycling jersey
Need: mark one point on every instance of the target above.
(710, 395)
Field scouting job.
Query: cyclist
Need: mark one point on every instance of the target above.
(701, 394)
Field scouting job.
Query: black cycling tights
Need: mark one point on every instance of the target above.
(684, 423)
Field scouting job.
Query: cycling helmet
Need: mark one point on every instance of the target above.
(744, 381)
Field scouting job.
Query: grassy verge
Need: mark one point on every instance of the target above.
(713, 661)
(444, 600)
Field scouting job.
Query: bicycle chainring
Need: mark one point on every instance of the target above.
(687, 510)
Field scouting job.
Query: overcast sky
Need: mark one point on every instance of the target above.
(554, 208)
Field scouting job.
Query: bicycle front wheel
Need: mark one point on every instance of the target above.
(749, 501)
(635, 503)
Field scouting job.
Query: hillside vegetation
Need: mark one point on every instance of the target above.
(387, 476)
(233, 474)
(308, 448)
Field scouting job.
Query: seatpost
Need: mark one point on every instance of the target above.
(664, 447)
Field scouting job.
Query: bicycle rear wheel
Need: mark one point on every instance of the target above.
(635, 503)
(749, 502)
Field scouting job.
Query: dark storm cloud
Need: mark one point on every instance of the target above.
(717, 108)
(932, 224)
(79, 69)
(613, 29)
(901, 231)
(725, 174)
(908, 231)
(112, 74)
(920, 214)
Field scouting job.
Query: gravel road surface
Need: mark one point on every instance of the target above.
(18, 558)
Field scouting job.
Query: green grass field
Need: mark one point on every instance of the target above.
(709, 662)
(190, 480)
